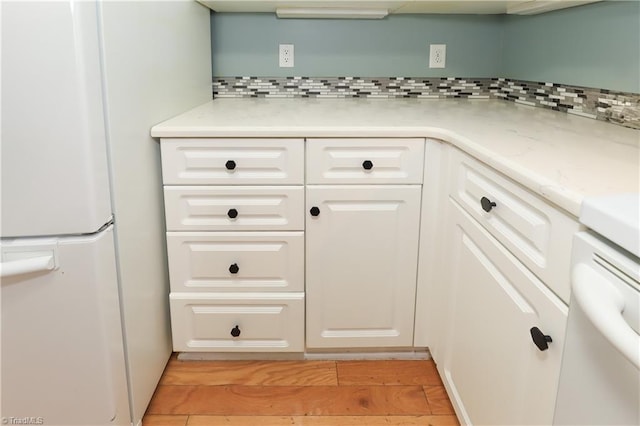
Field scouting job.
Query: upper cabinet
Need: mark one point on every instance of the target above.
(533, 7)
(341, 8)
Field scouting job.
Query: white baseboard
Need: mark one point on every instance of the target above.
(333, 354)
(359, 354)
(242, 356)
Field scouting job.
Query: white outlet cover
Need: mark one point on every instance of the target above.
(437, 55)
(286, 56)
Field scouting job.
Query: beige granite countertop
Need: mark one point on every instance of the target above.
(560, 157)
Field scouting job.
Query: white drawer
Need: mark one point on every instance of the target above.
(212, 208)
(236, 261)
(232, 161)
(267, 322)
(365, 161)
(537, 233)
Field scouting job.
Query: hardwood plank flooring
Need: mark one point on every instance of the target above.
(164, 420)
(438, 400)
(322, 420)
(289, 400)
(314, 393)
(392, 372)
(250, 373)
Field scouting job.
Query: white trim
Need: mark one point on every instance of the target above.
(359, 354)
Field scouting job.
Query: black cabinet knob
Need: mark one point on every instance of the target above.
(540, 339)
(234, 268)
(487, 204)
(232, 213)
(235, 331)
(314, 211)
(230, 165)
(367, 165)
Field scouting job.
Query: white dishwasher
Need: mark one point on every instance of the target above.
(600, 373)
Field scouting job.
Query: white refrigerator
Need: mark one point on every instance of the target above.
(84, 286)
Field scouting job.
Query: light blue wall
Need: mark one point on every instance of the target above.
(247, 44)
(596, 45)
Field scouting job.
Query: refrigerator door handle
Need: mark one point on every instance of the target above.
(27, 266)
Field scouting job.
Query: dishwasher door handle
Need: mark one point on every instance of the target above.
(27, 266)
(603, 304)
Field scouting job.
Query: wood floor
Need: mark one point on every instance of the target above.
(315, 393)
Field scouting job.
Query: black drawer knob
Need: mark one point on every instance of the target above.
(314, 211)
(540, 339)
(232, 213)
(487, 204)
(367, 165)
(235, 331)
(230, 165)
(234, 268)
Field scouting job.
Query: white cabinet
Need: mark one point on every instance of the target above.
(494, 372)
(235, 241)
(534, 7)
(362, 231)
(238, 243)
(362, 249)
(497, 244)
(262, 261)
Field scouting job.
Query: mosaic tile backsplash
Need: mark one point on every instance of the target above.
(615, 107)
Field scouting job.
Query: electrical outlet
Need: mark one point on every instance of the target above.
(437, 55)
(286, 56)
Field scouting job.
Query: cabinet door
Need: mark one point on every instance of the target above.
(361, 265)
(494, 372)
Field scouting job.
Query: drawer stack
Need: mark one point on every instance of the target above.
(235, 241)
